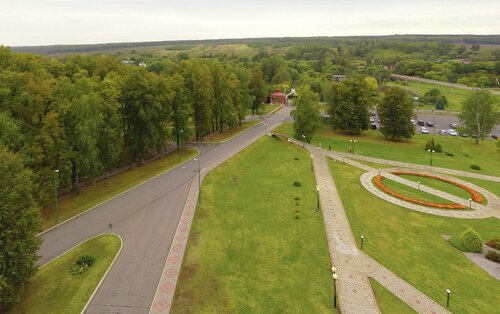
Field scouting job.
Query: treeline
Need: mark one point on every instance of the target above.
(86, 115)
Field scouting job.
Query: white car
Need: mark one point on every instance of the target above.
(372, 119)
(424, 130)
(452, 132)
(413, 122)
(443, 132)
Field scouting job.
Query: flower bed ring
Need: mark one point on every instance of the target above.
(378, 182)
(475, 195)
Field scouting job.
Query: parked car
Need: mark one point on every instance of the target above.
(420, 122)
(464, 134)
(429, 124)
(494, 136)
(443, 132)
(453, 125)
(452, 132)
(424, 130)
(372, 119)
(413, 121)
(373, 126)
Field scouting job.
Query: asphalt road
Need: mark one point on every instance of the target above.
(146, 218)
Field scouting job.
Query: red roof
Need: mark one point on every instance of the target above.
(277, 93)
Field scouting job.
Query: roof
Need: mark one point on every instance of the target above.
(277, 93)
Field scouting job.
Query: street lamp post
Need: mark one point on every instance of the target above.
(379, 171)
(317, 196)
(199, 180)
(179, 144)
(448, 292)
(312, 158)
(303, 140)
(265, 126)
(362, 240)
(430, 152)
(334, 275)
(352, 145)
(56, 179)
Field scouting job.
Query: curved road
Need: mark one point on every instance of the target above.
(146, 218)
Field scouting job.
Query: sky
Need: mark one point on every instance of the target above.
(40, 22)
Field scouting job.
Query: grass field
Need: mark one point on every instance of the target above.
(228, 133)
(413, 193)
(55, 290)
(93, 194)
(410, 244)
(493, 187)
(373, 144)
(256, 244)
(388, 302)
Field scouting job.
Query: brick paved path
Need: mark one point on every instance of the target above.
(353, 266)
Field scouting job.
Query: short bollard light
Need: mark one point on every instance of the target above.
(418, 185)
(448, 292)
(362, 240)
(379, 171)
(470, 202)
(335, 276)
(312, 158)
(317, 196)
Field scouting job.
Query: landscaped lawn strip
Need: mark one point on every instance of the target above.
(247, 253)
(55, 290)
(440, 185)
(228, 133)
(93, 194)
(413, 192)
(410, 244)
(371, 143)
(388, 302)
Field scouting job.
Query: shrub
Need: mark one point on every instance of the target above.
(472, 241)
(475, 167)
(297, 183)
(82, 264)
(494, 243)
(493, 256)
(431, 145)
(449, 154)
(296, 198)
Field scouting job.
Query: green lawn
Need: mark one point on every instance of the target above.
(247, 251)
(93, 194)
(55, 290)
(373, 144)
(228, 133)
(440, 185)
(413, 193)
(388, 302)
(267, 108)
(455, 96)
(410, 244)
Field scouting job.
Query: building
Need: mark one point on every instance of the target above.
(277, 98)
(339, 78)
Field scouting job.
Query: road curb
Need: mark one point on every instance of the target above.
(106, 273)
(115, 196)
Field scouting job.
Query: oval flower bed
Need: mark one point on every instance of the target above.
(378, 182)
(475, 196)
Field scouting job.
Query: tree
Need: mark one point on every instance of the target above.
(431, 96)
(395, 112)
(479, 114)
(20, 223)
(307, 115)
(257, 85)
(348, 104)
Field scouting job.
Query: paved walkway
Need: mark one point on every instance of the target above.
(353, 266)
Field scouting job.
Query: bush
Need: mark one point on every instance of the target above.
(297, 183)
(494, 243)
(472, 241)
(82, 264)
(475, 167)
(449, 154)
(431, 145)
(493, 256)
